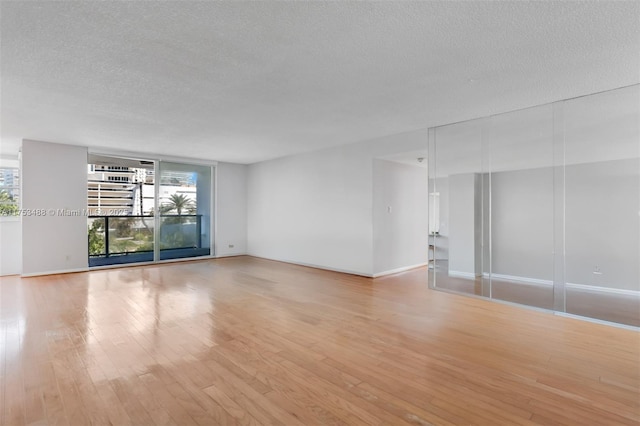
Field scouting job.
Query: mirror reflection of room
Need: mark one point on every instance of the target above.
(540, 206)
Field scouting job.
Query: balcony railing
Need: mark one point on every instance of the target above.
(127, 239)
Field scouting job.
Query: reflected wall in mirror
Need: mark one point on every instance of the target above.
(541, 206)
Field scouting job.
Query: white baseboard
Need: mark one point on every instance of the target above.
(518, 279)
(398, 270)
(62, 271)
(312, 265)
(549, 283)
(220, 256)
(595, 320)
(597, 289)
(461, 274)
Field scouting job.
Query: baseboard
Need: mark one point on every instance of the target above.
(549, 283)
(518, 279)
(398, 270)
(595, 320)
(62, 271)
(311, 265)
(220, 256)
(597, 289)
(461, 274)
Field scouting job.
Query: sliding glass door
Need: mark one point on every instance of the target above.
(120, 209)
(144, 211)
(184, 206)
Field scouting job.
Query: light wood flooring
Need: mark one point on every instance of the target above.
(250, 341)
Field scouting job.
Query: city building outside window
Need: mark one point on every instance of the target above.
(9, 191)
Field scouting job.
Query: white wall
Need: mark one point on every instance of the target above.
(464, 235)
(400, 217)
(316, 208)
(522, 223)
(313, 209)
(601, 224)
(54, 177)
(10, 246)
(231, 206)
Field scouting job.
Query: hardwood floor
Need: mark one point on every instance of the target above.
(250, 341)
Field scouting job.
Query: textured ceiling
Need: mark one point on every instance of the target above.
(248, 81)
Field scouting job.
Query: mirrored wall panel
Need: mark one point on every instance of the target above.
(519, 208)
(541, 206)
(602, 205)
(456, 201)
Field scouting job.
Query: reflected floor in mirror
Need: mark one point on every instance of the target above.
(606, 306)
(251, 341)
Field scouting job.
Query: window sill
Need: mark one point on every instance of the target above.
(9, 219)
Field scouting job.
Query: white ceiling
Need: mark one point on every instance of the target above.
(249, 81)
